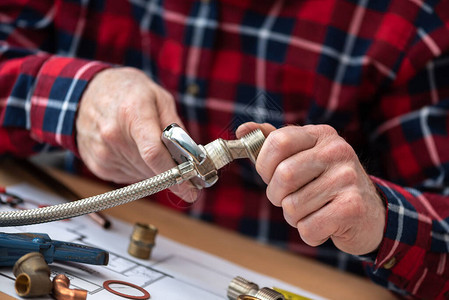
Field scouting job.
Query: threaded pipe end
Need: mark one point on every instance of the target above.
(268, 294)
(253, 142)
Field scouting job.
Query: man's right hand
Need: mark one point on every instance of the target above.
(120, 121)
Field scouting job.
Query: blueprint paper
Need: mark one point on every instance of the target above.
(174, 272)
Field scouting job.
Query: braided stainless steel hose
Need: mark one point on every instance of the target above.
(202, 172)
(99, 202)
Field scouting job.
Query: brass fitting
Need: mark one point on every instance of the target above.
(32, 275)
(241, 289)
(142, 240)
(61, 290)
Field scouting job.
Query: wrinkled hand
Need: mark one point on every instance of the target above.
(317, 179)
(120, 120)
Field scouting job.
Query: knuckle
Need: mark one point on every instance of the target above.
(285, 174)
(347, 175)
(353, 206)
(102, 154)
(306, 232)
(310, 233)
(325, 129)
(290, 210)
(168, 96)
(338, 149)
(152, 152)
(109, 134)
(278, 140)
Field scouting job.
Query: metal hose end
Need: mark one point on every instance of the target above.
(253, 142)
(222, 152)
(268, 294)
(240, 286)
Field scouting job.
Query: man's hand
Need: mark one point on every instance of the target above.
(119, 125)
(317, 179)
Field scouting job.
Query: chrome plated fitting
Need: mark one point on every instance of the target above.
(207, 160)
(241, 289)
(240, 286)
(266, 293)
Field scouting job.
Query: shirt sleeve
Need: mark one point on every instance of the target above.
(39, 92)
(414, 141)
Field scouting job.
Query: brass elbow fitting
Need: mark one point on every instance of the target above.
(32, 275)
(61, 290)
(142, 240)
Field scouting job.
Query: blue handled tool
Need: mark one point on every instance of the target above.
(15, 245)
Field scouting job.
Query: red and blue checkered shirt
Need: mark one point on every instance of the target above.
(377, 71)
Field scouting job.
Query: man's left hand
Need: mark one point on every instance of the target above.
(318, 180)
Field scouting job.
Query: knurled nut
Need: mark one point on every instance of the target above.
(240, 286)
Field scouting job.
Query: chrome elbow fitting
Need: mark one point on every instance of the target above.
(208, 159)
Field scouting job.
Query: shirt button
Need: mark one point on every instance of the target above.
(390, 263)
(193, 89)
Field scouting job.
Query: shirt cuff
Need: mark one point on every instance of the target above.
(54, 102)
(404, 257)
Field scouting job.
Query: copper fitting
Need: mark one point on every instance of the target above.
(32, 275)
(61, 290)
(142, 240)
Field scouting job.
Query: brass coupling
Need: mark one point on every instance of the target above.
(142, 240)
(32, 275)
(241, 289)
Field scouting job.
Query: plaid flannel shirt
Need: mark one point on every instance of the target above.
(377, 71)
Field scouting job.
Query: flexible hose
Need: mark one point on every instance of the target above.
(99, 202)
(219, 153)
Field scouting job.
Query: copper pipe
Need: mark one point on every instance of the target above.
(61, 290)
